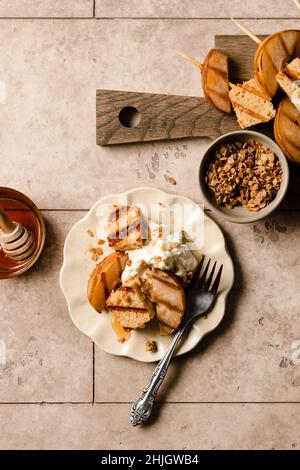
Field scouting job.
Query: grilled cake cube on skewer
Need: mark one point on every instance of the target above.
(272, 54)
(251, 103)
(289, 80)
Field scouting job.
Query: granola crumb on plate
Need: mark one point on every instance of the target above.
(150, 345)
(96, 252)
(170, 180)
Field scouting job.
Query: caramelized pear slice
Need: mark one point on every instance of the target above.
(104, 278)
(215, 82)
(287, 129)
(166, 292)
(273, 54)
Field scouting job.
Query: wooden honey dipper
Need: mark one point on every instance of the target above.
(16, 241)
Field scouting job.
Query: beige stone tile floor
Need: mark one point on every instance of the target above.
(240, 388)
(183, 426)
(195, 9)
(47, 359)
(46, 8)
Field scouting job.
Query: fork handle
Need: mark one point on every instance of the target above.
(142, 407)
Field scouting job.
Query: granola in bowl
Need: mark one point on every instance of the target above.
(246, 173)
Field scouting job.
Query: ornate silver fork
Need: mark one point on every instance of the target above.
(201, 295)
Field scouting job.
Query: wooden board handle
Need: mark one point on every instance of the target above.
(123, 117)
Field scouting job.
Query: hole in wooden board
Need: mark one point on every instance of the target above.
(130, 116)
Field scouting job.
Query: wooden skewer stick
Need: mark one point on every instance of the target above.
(297, 3)
(247, 31)
(195, 62)
(191, 60)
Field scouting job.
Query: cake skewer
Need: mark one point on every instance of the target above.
(247, 31)
(214, 77)
(196, 63)
(272, 55)
(190, 59)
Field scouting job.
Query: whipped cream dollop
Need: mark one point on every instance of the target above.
(170, 253)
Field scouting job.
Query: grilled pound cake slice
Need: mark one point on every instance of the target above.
(166, 291)
(127, 228)
(289, 80)
(251, 103)
(129, 306)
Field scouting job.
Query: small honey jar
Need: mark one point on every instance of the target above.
(21, 248)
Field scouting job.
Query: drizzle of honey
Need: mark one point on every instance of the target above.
(123, 334)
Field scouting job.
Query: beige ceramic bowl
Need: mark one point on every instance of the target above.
(239, 214)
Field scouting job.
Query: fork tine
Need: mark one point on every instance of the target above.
(216, 283)
(196, 275)
(210, 277)
(203, 277)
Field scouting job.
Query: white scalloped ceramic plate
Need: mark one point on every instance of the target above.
(77, 267)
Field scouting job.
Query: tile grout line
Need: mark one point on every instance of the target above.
(143, 18)
(189, 18)
(42, 403)
(47, 18)
(94, 8)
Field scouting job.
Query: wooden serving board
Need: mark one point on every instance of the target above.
(148, 117)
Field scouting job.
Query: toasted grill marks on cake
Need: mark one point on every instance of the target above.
(251, 103)
(129, 306)
(122, 233)
(272, 55)
(289, 80)
(117, 212)
(127, 228)
(166, 292)
(237, 106)
(166, 279)
(251, 89)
